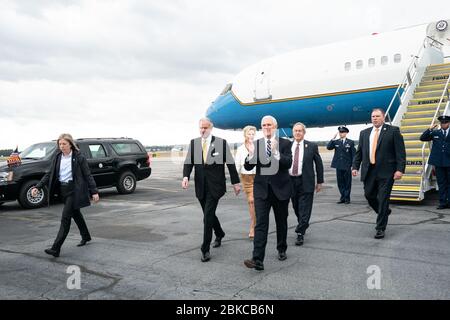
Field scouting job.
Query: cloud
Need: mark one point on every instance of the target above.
(150, 69)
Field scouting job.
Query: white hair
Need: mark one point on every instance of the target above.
(299, 124)
(205, 119)
(271, 118)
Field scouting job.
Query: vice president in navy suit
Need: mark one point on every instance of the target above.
(440, 158)
(344, 153)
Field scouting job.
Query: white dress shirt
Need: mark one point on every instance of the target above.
(239, 160)
(208, 144)
(65, 169)
(301, 152)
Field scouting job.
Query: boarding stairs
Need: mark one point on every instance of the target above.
(428, 100)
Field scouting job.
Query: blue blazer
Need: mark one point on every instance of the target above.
(343, 154)
(440, 151)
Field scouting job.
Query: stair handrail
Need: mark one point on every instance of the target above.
(411, 72)
(444, 92)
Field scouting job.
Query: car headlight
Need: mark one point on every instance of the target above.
(6, 177)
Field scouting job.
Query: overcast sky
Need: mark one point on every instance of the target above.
(150, 69)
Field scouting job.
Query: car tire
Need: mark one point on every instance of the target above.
(27, 201)
(126, 183)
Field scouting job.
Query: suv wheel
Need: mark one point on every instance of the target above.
(126, 183)
(27, 201)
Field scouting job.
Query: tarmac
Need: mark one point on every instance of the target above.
(146, 245)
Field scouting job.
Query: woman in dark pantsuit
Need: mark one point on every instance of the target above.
(70, 174)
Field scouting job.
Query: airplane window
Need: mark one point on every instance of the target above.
(347, 66)
(397, 58)
(359, 64)
(384, 60)
(372, 62)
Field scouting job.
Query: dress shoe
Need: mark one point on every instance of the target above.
(52, 252)
(83, 242)
(206, 257)
(441, 206)
(340, 201)
(379, 234)
(347, 201)
(254, 264)
(218, 242)
(282, 256)
(299, 241)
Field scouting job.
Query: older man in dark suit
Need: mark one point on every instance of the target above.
(272, 189)
(306, 156)
(208, 155)
(382, 157)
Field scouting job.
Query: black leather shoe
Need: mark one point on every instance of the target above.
(52, 252)
(254, 264)
(218, 242)
(83, 242)
(379, 234)
(440, 207)
(282, 256)
(299, 241)
(347, 201)
(206, 257)
(340, 201)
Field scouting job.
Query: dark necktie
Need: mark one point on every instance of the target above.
(444, 132)
(296, 156)
(269, 148)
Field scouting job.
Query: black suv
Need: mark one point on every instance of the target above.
(114, 162)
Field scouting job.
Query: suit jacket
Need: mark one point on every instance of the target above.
(212, 172)
(440, 151)
(390, 153)
(343, 154)
(271, 171)
(311, 158)
(84, 183)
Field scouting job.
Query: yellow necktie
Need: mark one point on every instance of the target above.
(374, 147)
(204, 150)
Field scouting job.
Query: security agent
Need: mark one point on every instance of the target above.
(440, 157)
(344, 152)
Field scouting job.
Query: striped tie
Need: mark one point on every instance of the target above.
(269, 148)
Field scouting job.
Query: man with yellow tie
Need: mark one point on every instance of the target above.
(208, 155)
(382, 158)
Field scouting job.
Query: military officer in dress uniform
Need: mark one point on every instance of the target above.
(344, 152)
(440, 157)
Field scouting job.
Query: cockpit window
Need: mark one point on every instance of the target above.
(227, 89)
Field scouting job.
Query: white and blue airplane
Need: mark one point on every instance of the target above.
(334, 84)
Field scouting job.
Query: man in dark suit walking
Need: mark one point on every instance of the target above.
(306, 156)
(208, 155)
(272, 189)
(382, 158)
(344, 152)
(440, 158)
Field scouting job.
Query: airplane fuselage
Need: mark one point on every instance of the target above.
(334, 84)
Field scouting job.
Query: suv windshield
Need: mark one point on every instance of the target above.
(38, 150)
